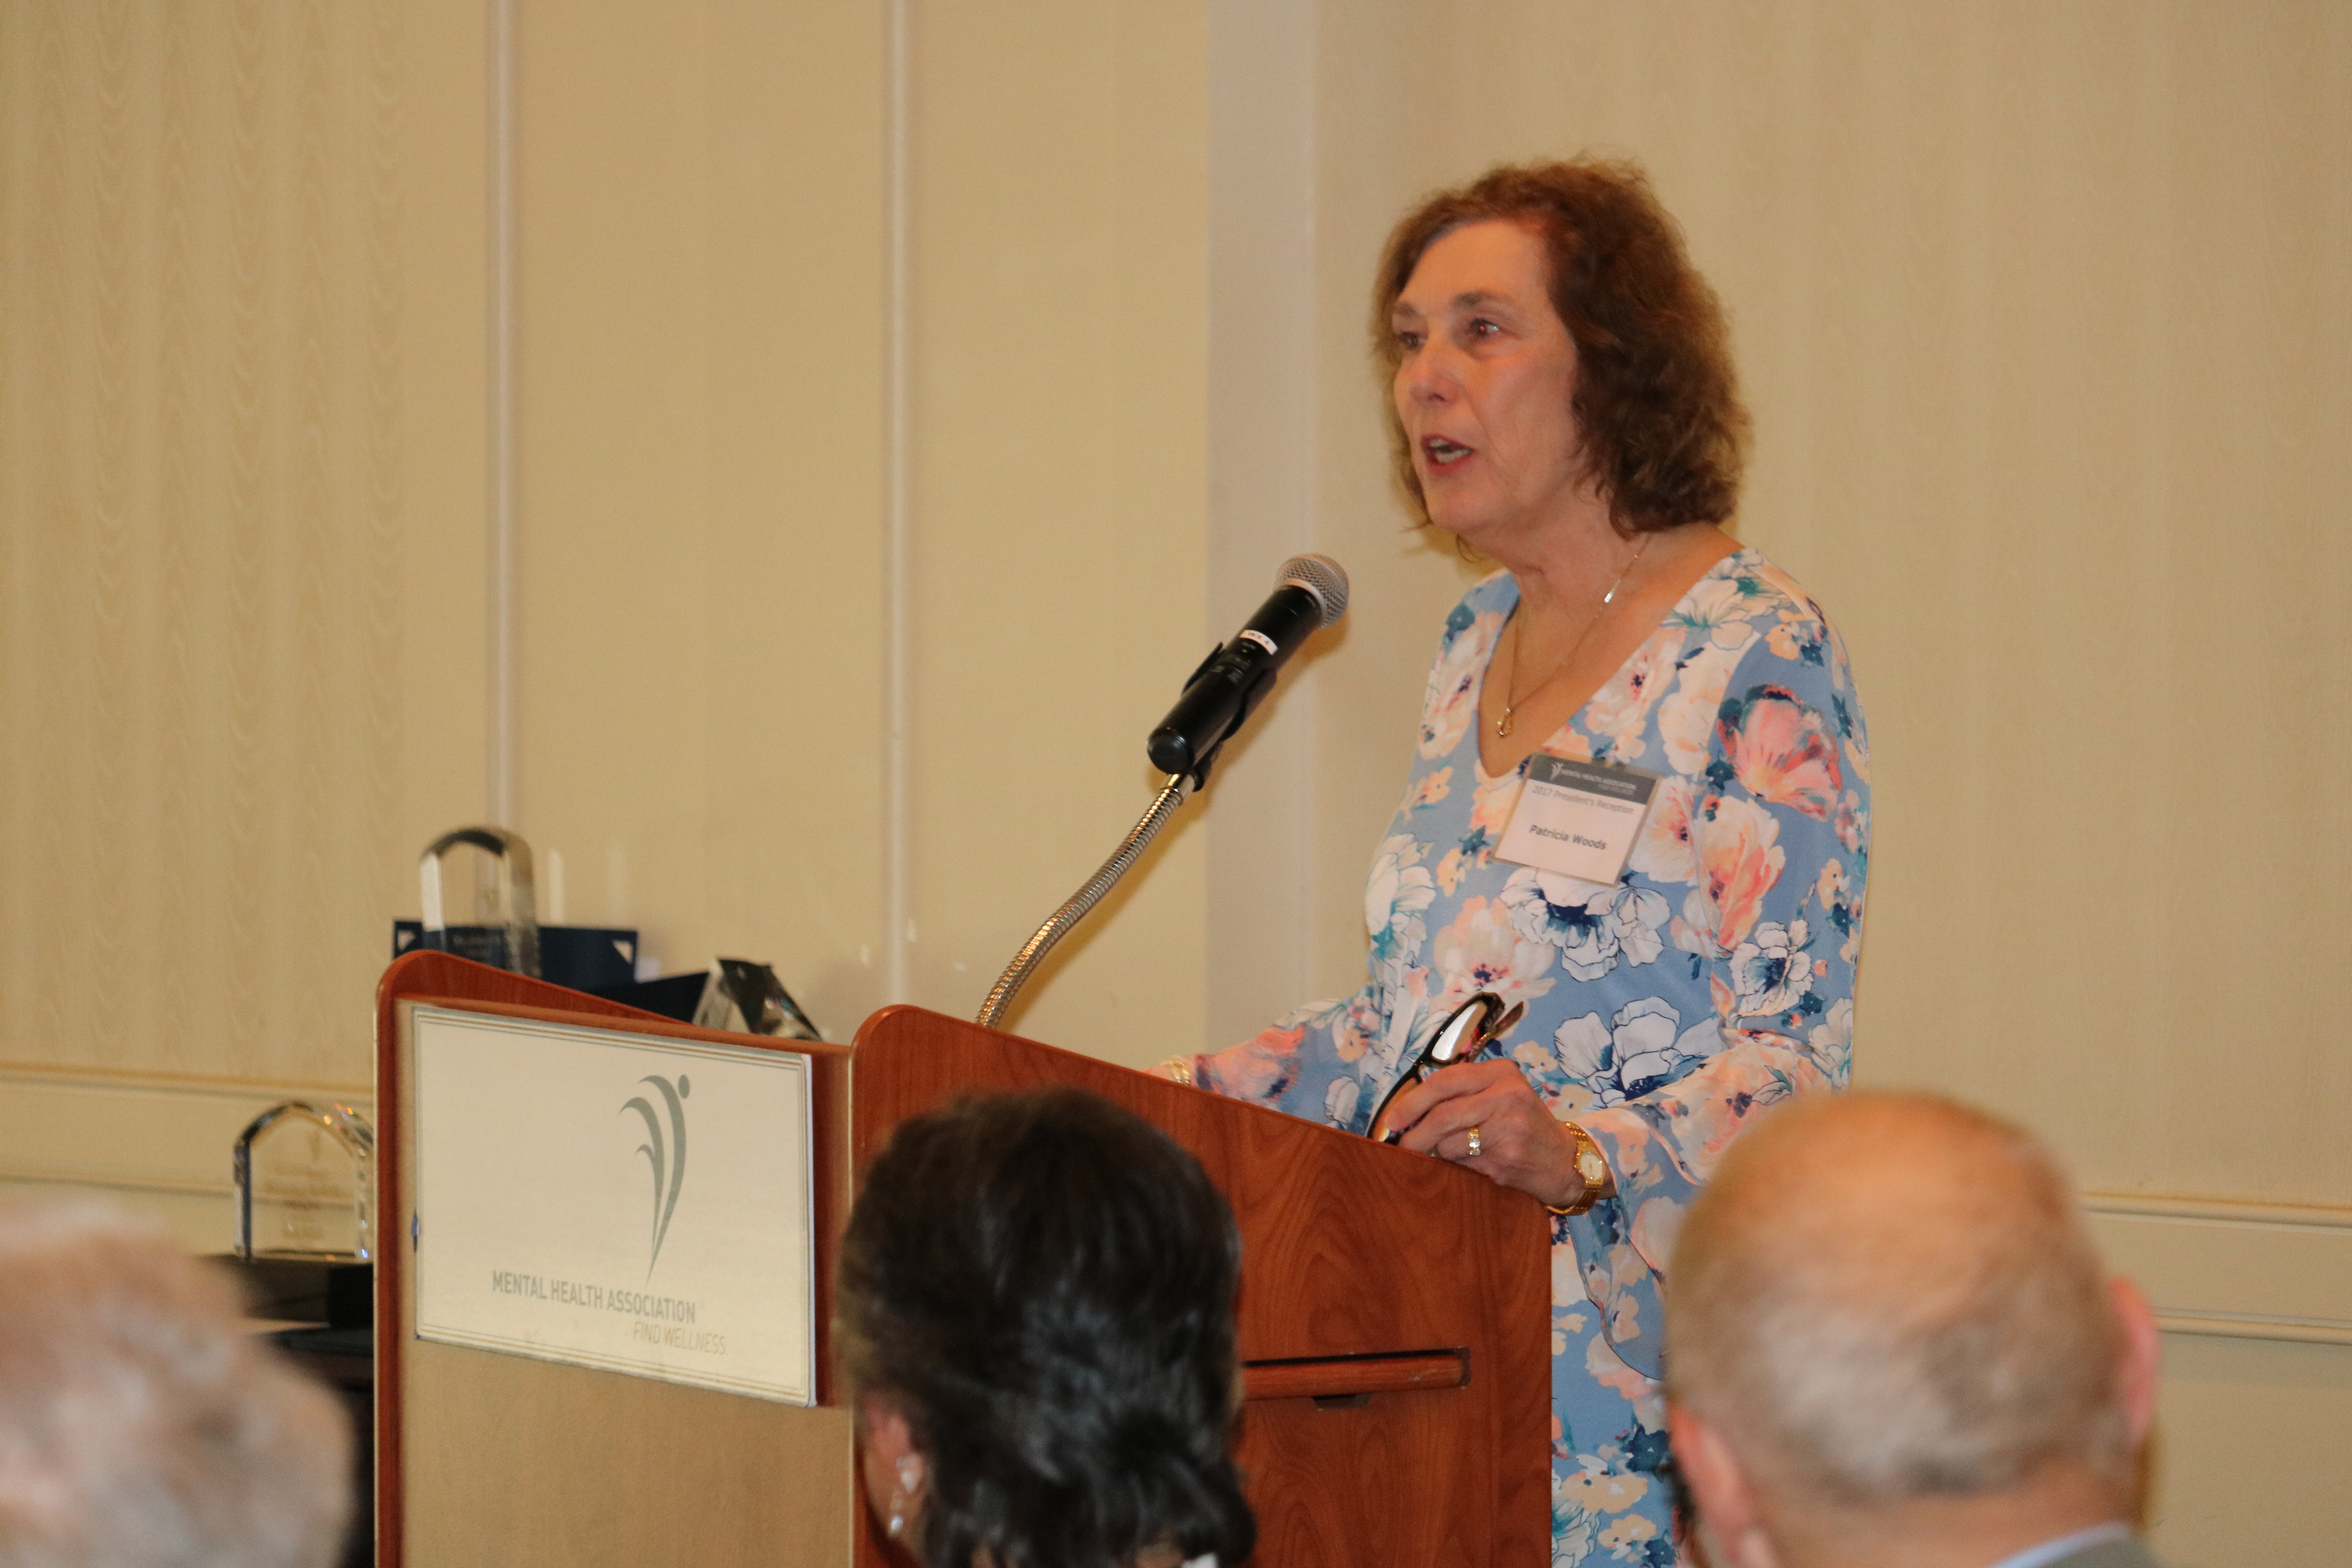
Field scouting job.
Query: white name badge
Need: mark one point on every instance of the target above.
(1577, 819)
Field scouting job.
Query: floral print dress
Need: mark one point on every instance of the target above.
(1713, 979)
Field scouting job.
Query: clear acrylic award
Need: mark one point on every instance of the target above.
(306, 1183)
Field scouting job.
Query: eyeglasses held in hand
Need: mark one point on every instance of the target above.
(1467, 1030)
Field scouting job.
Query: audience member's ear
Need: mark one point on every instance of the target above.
(895, 1469)
(1719, 1486)
(2143, 1351)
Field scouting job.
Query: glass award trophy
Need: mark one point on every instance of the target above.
(505, 933)
(506, 905)
(306, 1184)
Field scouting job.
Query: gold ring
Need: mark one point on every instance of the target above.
(1475, 1145)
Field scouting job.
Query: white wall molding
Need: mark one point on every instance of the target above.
(499, 65)
(1262, 343)
(159, 1145)
(2237, 1270)
(898, 458)
(2225, 1211)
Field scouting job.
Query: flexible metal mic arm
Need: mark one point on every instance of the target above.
(1024, 963)
(1310, 591)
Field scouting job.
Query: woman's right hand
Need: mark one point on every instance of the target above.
(1521, 1144)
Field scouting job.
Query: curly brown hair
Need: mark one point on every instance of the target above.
(1656, 400)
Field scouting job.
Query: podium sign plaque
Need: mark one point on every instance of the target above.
(615, 1200)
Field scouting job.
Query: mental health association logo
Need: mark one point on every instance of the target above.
(664, 1154)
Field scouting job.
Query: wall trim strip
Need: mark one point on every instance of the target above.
(2230, 1269)
(499, 786)
(2299, 1330)
(159, 1144)
(2213, 1267)
(898, 803)
(2220, 1211)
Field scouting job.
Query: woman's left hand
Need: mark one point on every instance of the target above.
(1520, 1143)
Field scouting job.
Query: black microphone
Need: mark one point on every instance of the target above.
(1310, 591)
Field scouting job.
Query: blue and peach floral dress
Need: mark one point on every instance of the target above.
(1713, 979)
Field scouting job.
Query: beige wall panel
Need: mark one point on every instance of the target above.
(1059, 493)
(699, 414)
(218, 323)
(2251, 1439)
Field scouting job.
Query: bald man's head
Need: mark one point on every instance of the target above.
(1882, 1298)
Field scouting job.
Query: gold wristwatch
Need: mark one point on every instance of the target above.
(1594, 1170)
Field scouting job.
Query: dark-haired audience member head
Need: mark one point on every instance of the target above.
(1035, 1314)
(142, 1425)
(1889, 1340)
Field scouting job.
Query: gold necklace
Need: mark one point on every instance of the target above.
(1511, 698)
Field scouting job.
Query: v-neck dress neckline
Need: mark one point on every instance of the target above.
(1681, 614)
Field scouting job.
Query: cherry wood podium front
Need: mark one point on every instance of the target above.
(1394, 1330)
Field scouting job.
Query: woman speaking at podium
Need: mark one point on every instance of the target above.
(1639, 803)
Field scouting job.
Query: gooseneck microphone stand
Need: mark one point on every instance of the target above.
(1310, 591)
(1057, 925)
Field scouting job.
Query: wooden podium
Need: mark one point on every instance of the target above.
(1395, 1337)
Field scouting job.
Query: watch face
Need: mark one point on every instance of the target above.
(1592, 1167)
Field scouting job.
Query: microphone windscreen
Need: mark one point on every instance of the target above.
(1321, 576)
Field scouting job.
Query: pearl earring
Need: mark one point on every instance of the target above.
(910, 1481)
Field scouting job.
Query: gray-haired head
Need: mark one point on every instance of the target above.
(1883, 1298)
(140, 1424)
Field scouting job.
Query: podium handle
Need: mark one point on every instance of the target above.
(1057, 925)
(1351, 1377)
